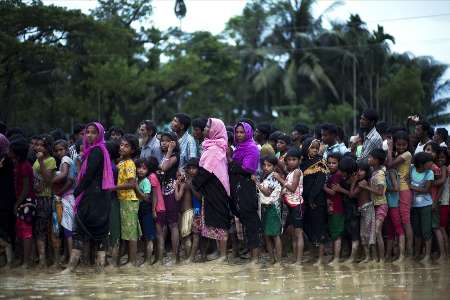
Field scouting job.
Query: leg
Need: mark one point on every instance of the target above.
(389, 246)
(337, 244)
(160, 236)
(380, 241)
(269, 247)
(8, 251)
(27, 252)
(321, 254)
(445, 237)
(149, 252)
(132, 253)
(278, 248)
(299, 244)
(195, 242)
(223, 249)
(175, 239)
(353, 253)
(440, 240)
(426, 230)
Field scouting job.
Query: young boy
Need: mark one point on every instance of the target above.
(183, 194)
(377, 189)
(335, 205)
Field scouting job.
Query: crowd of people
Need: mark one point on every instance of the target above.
(205, 187)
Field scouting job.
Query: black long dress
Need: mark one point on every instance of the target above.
(245, 203)
(7, 200)
(216, 200)
(92, 217)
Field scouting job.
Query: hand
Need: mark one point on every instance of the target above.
(336, 187)
(255, 180)
(172, 146)
(277, 176)
(390, 143)
(40, 155)
(154, 214)
(363, 184)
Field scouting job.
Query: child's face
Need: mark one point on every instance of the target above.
(197, 133)
(116, 136)
(373, 162)
(125, 149)
(401, 146)
(240, 134)
(328, 138)
(192, 171)
(361, 174)
(428, 165)
(40, 147)
(442, 159)
(429, 149)
(332, 164)
(165, 143)
(281, 146)
(292, 162)
(142, 171)
(267, 167)
(91, 134)
(60, 151)
(314, 149)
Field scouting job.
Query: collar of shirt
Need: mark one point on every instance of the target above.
(149, 143)
(371, 133)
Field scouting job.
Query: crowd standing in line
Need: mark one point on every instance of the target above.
(103, 196)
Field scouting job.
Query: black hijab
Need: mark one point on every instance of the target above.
(306, 160)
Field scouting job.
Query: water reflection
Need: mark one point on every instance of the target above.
(218, 281)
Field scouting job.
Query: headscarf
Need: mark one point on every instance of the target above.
(4, 144)
(214, 155)
(308, 161)
(247, 152)
(108, 177)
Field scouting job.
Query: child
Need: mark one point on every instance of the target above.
(394, 225)
(143, 191)
(126, 193)
(25, 205)
(399, 157)
(377, 189)
(270, 196)
(283, 144)
(44, 169)
(63, 185)
(444, 199)
(336, 218)
(422, 178)
(366, 209)
(183, 195)
(292, 196)
(440, 177)
(169, 167)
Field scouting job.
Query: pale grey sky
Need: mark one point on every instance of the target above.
(420, 27)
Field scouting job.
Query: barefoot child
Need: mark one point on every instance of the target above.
(444, 199)
(183, 195)
(270, 198)
(143, 192)
(366, 209)
(292, 196)
(421, 180)
(336, 218)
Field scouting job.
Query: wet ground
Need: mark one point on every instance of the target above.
(233, 281)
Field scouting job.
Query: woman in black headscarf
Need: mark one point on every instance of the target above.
(314, 177)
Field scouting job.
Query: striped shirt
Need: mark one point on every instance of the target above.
(372, 141)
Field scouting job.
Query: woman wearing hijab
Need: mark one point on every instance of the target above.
(93, 203)
(314, 177)
(212, 183)
(243, 189)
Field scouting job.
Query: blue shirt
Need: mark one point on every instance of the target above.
(420, 180)
(393, 198)
(338, 148)
(152, 148)
(188, 148)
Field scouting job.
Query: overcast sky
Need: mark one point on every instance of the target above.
(420, 27)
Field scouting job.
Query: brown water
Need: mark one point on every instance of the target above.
(218, 281)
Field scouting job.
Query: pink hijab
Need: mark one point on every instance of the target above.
(214, 156)
(108, 177)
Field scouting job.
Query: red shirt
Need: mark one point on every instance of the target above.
(23, 169)
(435, 189)
(336, 199)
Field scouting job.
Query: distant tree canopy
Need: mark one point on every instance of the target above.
(275, 63)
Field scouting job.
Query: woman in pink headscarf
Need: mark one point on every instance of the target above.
(213, 184)
(93, 202)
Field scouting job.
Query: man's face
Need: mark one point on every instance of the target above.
(364, 123)
(176, 125)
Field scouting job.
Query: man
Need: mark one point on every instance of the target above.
(422, 132)
(150, 144)
(372, 139)
(188, 148)
(300, 132)
(329, 134)
(78, 133)
(198, 126)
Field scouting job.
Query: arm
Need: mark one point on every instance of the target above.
(395, 185)
(425, 189)
(339, 189)
(440, 181)
(377, 189)
(292, 186)
(328, 191)
(46, 174)
(392, 162)
(63, 174)
(139, 193)
(130, 184)
(23, 195)
(265, 190)
(179, 190)
(355, 190)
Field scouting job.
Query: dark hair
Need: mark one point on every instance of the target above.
(382, 128)
(173, 137)
(330, 128)
(15, 131)
(425, 126)
(443, 133)
(58, 134)
(378, 154)
(335, 156)
(48, 142)
(301, 128)
(192, 162)
(78, 128)
(150, 125)
(285, 138)
(318, 131)
(230, 135)
(347, 165)
(20, 148)
(113, 148)
(133, 141)
(114, 129)
(363, 165)
(340, 134)
(294, 152)
(421, 159)
(184, 119)
(443, 150)
(401, 135)
(199, 123)
(78, 144)
(153, 164)
(265, 129)
(272, 159)
(434, 146)
(249, 122)
(275, 135)
(142, 161)
(61, 142)
(371, 115)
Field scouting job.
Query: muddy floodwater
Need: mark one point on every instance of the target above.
(227, 281)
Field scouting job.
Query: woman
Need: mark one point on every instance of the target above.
(243, 165)
(314, 177)
(93, 203)
(212, 183)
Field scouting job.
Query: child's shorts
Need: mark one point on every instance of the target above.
(147, 226)
(271, 218)
(381, 212)
(405, 207)
(187, 218)
(129, 221)
(435, 218)
(24, 230)
(171, 214)
(294, 217)
(421, 222)
(336, 226)
(444, 211)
